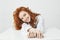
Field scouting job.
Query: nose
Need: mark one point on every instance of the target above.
(26, 18)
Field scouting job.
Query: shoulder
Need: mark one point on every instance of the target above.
(39, 17)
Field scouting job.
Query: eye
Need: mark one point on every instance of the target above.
(24, 15)
(21, 18)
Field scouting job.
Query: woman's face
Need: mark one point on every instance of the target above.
(24, 16)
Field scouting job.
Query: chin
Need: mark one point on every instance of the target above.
(28, 21)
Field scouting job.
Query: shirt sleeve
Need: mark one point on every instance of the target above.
(40, 25)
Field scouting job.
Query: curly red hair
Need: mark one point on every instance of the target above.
(18, 22)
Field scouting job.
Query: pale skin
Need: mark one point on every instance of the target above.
(35, 33)
(25, 17)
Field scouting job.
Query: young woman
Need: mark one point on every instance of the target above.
(25, 15)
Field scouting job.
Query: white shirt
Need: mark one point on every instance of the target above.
(14, 34)
(40, 26)
(20, 34)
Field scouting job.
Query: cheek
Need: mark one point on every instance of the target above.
(24, 19)
(29, 18)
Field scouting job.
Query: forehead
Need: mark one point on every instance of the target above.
(22, 13)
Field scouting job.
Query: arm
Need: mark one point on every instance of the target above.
(40, 25)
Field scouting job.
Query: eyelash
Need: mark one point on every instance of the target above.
(22, 18)
(24, 14)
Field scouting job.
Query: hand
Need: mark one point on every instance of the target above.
(34, 33)
(39, 34)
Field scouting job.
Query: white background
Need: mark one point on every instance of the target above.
(49, 9)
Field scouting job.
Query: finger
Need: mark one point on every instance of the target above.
(37, 35)
(31, 35)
